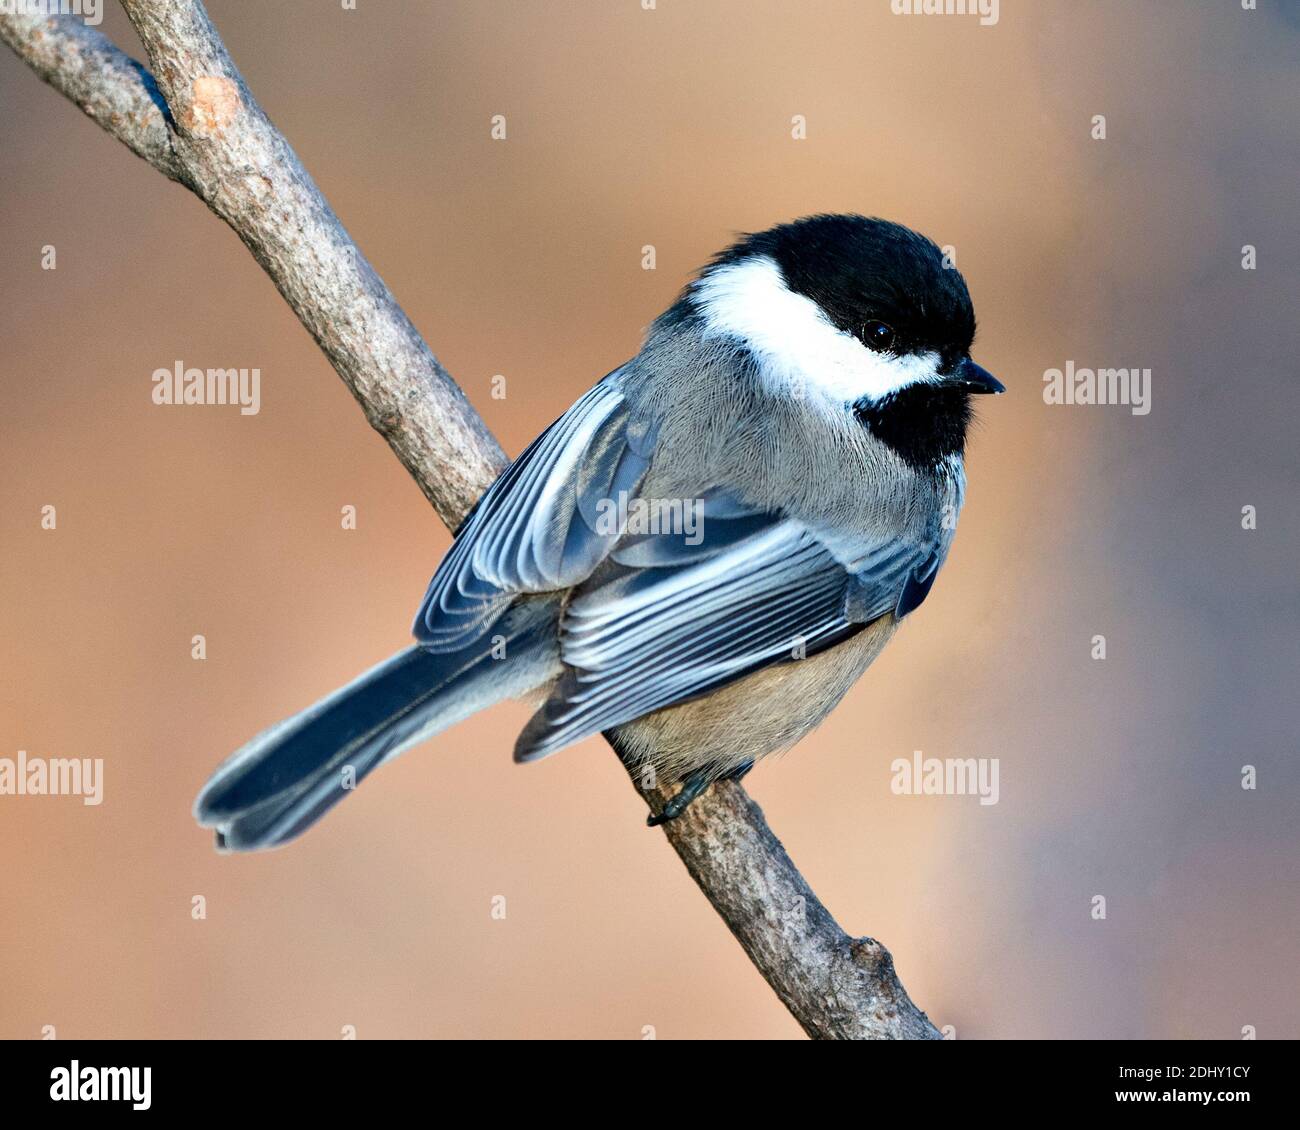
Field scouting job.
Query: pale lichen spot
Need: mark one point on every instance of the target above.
(213, 106)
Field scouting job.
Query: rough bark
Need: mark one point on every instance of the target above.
(194, 119)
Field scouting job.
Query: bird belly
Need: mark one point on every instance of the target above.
(763, 713)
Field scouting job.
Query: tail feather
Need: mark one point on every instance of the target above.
(280, 783)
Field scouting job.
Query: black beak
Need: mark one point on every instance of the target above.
(971, 377)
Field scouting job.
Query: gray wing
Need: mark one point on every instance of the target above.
(540, 527)
(657, 618)
(665, 621)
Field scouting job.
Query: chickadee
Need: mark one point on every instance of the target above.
(806, 401)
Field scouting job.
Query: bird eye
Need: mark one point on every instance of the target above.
(878, 336)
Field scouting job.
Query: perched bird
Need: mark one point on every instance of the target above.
(702, 555)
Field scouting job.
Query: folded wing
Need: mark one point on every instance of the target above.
(660, 616)
(666, 622)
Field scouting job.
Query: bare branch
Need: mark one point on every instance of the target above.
(209, 134)
(216, 141)
(837, 987)
(107, 84)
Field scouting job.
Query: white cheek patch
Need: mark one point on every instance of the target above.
(795, 344)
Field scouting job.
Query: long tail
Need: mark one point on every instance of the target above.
(285, 779)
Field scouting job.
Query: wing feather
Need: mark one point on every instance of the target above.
(650, 637)
(535, 528)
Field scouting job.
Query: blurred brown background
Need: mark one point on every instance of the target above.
(668, 127)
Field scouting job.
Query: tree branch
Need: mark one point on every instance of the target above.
(195, 121)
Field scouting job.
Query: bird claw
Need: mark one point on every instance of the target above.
(692, 786)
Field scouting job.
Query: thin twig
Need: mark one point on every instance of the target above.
(195, 121)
